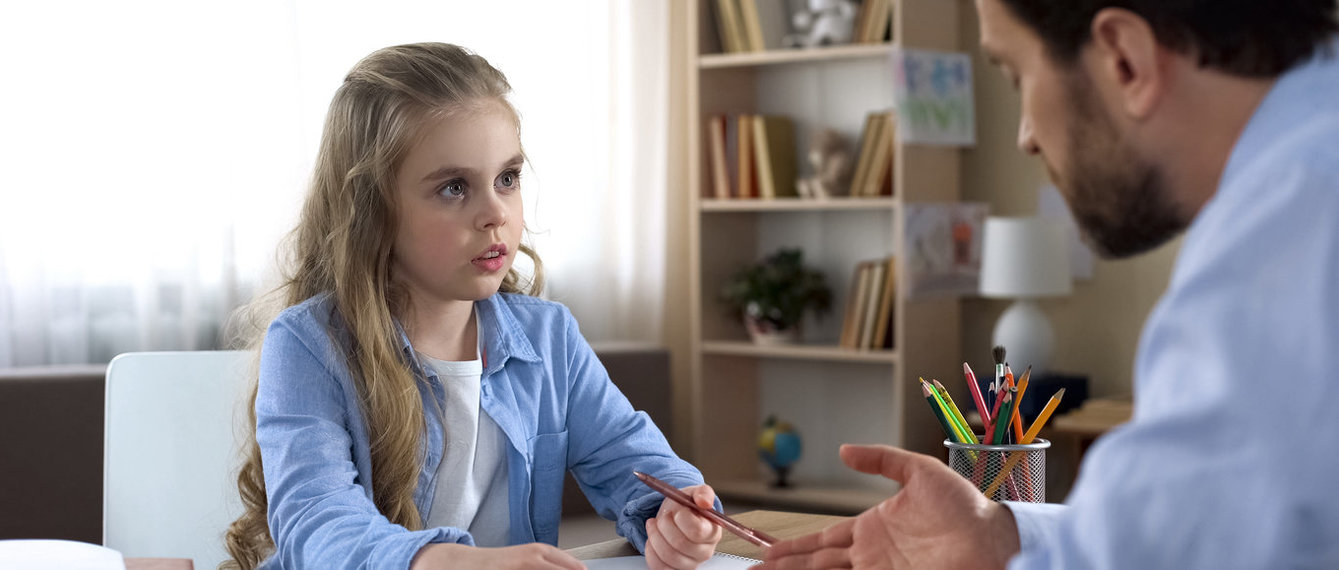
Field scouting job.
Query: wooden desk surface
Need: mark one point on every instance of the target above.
(776, 523)
(1094, 418)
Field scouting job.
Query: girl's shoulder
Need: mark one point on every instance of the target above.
(317, 310)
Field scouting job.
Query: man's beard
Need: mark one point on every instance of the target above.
(1120, 200)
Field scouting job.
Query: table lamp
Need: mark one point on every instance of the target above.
(1024, 259)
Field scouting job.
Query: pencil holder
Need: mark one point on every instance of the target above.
(1003, 472)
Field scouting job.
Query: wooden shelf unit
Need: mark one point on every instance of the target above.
(833, 395)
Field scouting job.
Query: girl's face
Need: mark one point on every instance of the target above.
(460, 211)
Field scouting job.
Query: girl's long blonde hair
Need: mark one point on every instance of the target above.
(342, 245)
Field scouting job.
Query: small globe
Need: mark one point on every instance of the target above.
(779, 446)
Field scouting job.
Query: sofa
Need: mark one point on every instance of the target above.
(51, 440)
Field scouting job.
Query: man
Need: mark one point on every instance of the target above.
(1153, 117)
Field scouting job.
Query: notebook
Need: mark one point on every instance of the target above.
(718, 561)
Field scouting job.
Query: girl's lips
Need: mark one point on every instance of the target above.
(489, 265)
(492, 259)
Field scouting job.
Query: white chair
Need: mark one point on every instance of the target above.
(171, 453)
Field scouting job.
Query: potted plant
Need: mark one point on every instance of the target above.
(772, 295)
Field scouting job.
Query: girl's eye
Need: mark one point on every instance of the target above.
(453, 189)
(509, 179)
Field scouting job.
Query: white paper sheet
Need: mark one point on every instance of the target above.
(718, 561)
(41, 554)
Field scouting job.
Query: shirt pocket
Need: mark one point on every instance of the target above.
(549, 451)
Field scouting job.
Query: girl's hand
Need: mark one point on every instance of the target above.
(533, 555)
(677, 537)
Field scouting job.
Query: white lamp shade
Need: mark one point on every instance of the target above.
(1024, 258)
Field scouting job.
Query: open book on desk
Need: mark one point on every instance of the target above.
(718, 561)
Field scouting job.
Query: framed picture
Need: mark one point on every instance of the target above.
(943, 247)
(933, 91)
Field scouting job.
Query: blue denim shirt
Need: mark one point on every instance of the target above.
(541, 383)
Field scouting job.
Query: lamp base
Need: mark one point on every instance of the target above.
(1026, 336)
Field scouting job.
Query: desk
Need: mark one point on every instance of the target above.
(776, 523)
(1081, 428)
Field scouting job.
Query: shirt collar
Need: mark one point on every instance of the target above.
(503, 337)
(1295, 97)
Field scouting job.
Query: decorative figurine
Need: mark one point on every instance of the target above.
(779, 446)
(831, 163)
(825, 23)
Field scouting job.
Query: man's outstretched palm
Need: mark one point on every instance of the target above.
(938, 520)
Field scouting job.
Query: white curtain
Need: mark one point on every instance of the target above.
(154, 153)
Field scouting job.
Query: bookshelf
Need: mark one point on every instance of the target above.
(831, 394)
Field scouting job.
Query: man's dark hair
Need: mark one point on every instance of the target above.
(1253, 38)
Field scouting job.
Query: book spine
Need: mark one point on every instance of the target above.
(720, 175)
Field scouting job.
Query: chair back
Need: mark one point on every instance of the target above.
(171, 453)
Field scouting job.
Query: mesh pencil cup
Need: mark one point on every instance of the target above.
(1003, 472)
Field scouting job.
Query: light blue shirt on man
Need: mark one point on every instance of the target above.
(1232, 458)
(542, 384)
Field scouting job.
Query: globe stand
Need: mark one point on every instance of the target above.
(781, 473)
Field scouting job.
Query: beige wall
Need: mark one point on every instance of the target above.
(1097, 328)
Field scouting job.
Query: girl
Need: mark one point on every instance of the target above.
(415, 406)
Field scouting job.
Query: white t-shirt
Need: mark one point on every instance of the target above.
(471, 488)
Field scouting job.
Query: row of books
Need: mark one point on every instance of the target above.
(751, 156)
(867, 322)
(872, 21)
(751, 25)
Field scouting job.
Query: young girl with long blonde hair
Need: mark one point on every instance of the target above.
(415, 405)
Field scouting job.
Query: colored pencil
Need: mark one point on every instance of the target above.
(954, 411)
(1046, 412)
(756, 537)
(1017, 419)
(1001, 417)
(1002, 427)
(975, 389)
(958, 428)
(939, 412)
(1027, 438)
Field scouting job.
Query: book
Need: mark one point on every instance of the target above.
(865, 33)
(861, 17)
(850, 318)
(720, 174)
(879, 174)
(774, 146)
(871, 304)
(747, 173)
(880, 18)
(854, 322)
(883, 325)
(752, 25)
(729, 26)
(774, 18)
(862, 162)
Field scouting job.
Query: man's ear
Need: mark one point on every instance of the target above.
(1127, 59)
